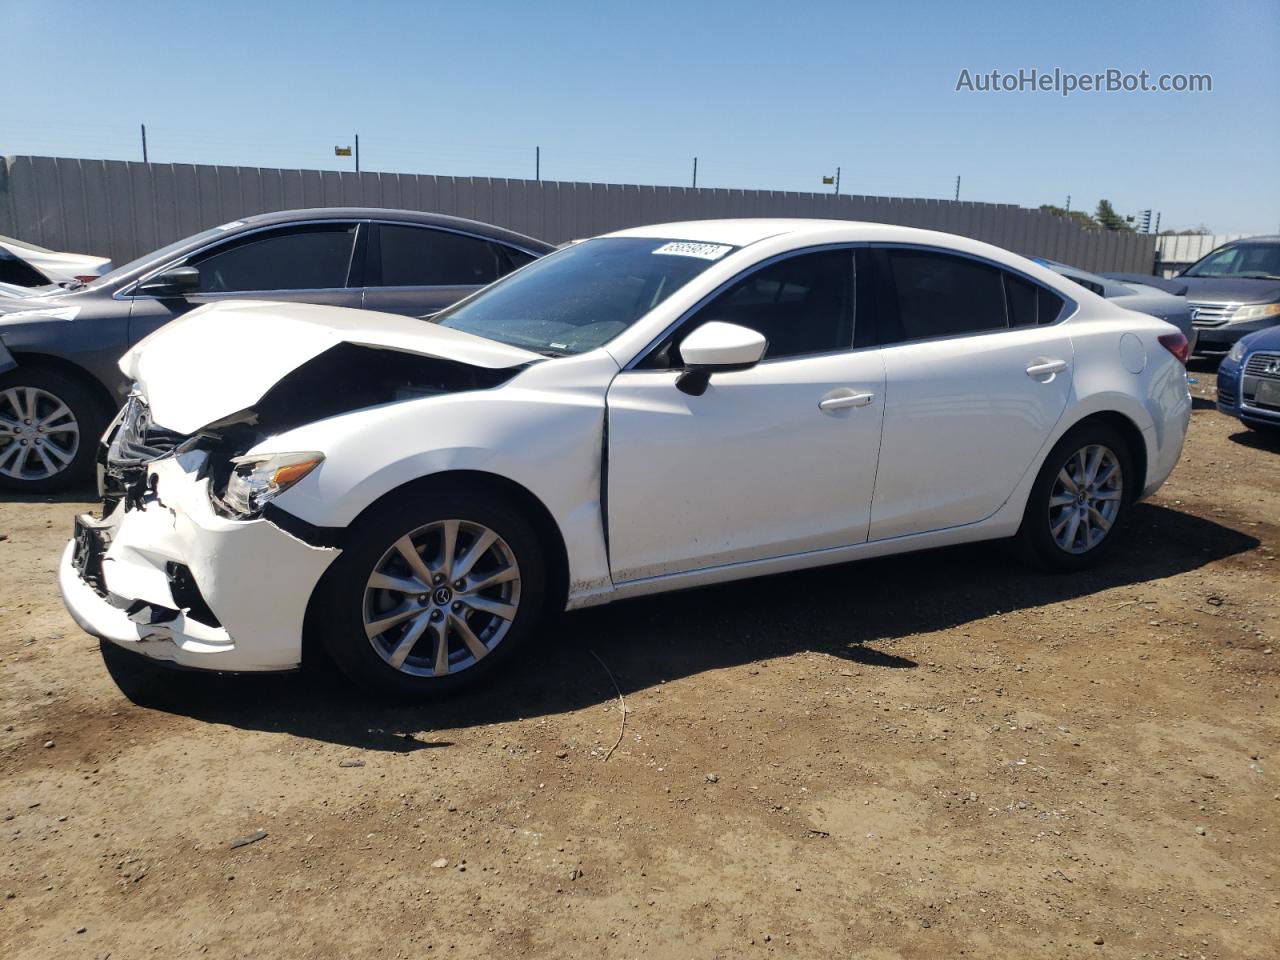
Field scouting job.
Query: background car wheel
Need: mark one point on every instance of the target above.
(436, 590)
(50, 424)
(1080, 499)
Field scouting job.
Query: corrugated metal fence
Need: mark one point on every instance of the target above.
(121, 209)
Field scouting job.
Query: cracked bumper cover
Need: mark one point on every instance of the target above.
(256, 579)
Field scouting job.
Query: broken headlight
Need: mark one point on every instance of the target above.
(257, 479)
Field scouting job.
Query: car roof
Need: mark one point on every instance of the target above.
(746, 231)
(796, 233)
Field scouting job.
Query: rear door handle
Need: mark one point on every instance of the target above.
(1043, 368)
(843, 401)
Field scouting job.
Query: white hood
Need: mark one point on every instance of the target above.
(221, 358)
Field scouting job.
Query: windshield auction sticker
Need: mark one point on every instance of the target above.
(703, 251)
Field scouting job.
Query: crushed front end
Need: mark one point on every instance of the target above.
(168, 572)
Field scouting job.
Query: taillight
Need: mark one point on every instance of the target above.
(1177, 344)
(87, 277)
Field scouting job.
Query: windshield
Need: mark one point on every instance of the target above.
(583, 296)
(1255, 261)
(159, 256)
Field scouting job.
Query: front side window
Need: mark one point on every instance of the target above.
(584, 295)
(802, 305)
(314, 257)
(424, 257)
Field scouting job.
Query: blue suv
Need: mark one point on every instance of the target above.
(1249, 380)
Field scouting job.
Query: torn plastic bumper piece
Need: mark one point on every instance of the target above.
(177, 582)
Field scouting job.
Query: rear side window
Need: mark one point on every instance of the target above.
(1030, 304)
(423, 257)
(313, 257)
(942, 295)
(515, 258)
(923, 294)
(802, 304)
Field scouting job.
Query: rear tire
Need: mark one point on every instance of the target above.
(50, 425)
(1078, 504)
(437, 589)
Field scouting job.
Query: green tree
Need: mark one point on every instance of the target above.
(1079, 216)
(1107, 217)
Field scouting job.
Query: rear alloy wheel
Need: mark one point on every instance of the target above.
(1085, 500)
(435, 590)
(1079, 498)
(49, 427)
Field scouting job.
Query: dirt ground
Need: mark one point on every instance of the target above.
(933, 756)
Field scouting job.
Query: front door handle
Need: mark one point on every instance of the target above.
(1044, 368)
(843, 401)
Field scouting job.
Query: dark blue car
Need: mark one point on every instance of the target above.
(1249, 380)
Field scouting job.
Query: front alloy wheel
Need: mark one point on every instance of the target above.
(442, 598)
(437, 586)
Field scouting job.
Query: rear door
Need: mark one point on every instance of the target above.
(419, 270)
(299, 263)
(977, 373)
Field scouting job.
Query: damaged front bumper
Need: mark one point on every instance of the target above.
(164, 575)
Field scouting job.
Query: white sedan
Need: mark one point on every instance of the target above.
(660, 408)
(24, 264)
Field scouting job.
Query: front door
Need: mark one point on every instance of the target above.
(775, 460)
(302, 263)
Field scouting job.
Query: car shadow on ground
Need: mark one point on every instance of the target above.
(852, 611)
(1203, 364)
(1268, 440)
(75, 495)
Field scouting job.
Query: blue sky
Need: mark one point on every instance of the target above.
(766, 95)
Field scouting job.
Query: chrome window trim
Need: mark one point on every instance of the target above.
(1069, 305)
(127, 292)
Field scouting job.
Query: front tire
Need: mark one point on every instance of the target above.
(1080, 499)
(438, 588)
(50, 423)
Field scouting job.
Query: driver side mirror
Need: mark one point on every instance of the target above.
(172, 283)
(717, 347)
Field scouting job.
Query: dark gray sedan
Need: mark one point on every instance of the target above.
(59, 383)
